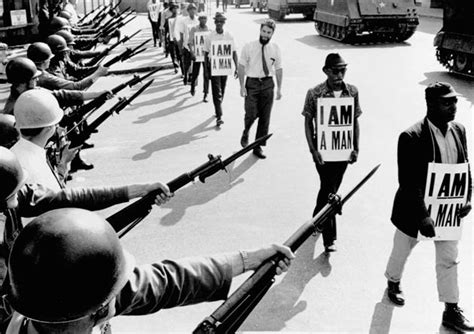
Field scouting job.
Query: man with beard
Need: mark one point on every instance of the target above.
(259, 61)
(330, 172)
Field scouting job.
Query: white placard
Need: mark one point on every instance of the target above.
(446, 191)
(199, 38)
(335, 135)
(18, 17)
(221, 57)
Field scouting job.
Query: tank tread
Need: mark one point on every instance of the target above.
(276, 15)
(329, 30)
(456, 62)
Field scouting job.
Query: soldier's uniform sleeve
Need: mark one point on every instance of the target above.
(68, 98)
(53, 82)
(77, 55)
(169, 284)
(34, 199)
(77, 71)
(309, 108)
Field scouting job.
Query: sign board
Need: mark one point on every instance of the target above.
(199, 38)
(446, 191)
(18, 17)
(221, 57)
(335, 135)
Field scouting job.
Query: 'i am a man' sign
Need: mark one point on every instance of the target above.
(445, 193)
(335, 124)
(199, 38)
(221, 57)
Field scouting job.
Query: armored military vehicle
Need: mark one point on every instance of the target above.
(278, 9)
(455, 42)
(382, 20)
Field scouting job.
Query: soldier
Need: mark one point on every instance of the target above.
(76, 55)
(9, 135)
(436, 139)
(69, 273)
(41, 55)
(218, 82)
(259, 61)
(203, 31)
(330, 172)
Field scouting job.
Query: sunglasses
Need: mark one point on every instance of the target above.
(336, 71)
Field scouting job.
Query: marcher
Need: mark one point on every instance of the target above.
(154, 9)
(435, 139)
(198, 59)
(259, 62)
(183, 26)
(330, 172)
(170, 38)
(69, 273)
(218, 82)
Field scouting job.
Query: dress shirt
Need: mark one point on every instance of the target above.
(447, 144)
(251, 59)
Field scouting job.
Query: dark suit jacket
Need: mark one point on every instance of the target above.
(416, 148)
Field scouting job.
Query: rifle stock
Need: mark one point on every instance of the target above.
(127, 218)
(228, 317)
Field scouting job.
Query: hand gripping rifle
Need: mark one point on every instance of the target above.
(127, 54)
(107, 50)
(228, 317)
(79, 139)
(127, 218)
(78, 114)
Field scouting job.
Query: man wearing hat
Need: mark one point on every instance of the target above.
(258, 62)
(435, 139)
(183, 27)
(218, 82)
(201, 31)
(330, 172)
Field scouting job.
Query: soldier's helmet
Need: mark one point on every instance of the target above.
(37, 108)
(67, 36)
(13, 177)
(65, 265)
(57, 44)
(39, 52)
(9, 135)
(21, 70)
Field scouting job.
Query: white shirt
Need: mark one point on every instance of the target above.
(251, 59)
(154, 10)
(214, 36)
(185, 26)
(447, 144)
(33, 158)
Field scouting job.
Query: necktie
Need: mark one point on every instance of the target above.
(264, 63)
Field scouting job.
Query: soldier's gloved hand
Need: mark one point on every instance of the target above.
(464, 210)
(427, 227)
(353, 157)
(317, 158)
(257, 257)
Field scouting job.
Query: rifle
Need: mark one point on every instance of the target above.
(128, 53)
(127, 218)
(228, 317)
(114, 20)
(119, 24)
(80, 138)
(104, 53)
(105, 12)
(139, 69)
(88, 14)
(99, 101)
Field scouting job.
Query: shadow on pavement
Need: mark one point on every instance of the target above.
(324, 43)
(173, 140)
(382, 317)
(201, 193)
(282, 302)
(463, 85)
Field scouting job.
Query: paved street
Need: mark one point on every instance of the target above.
(167, 132)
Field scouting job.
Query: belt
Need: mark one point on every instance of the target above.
(261, 79)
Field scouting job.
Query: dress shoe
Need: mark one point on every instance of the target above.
(454, 319)
(395, 293)
(259, 152)
(204, 99)
(219, 121)
(192, 91)
(87, 145)
(244, 141)
(78, 163)
(330, 248)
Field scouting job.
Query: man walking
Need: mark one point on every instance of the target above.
(259, 61)
(219, 51)
(331, 172)
(197, 36)
(436, 140)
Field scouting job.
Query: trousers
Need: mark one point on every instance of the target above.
(446, 264)
(258, 104)
(195, 75)
(330, 176)
(218, 84)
